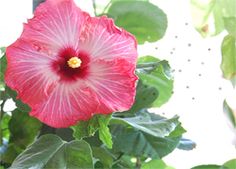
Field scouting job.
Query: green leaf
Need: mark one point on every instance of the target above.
(49, 151)
(144, 20)
(158, 164)
(3, 65)
(231, 164)
(23, 128)
(228, 64)
(19, 104)
(229, 113)
(146, 135)
(88, 128)
(150, 123)
(230, 25)
(186, 144)
(103, 156)
(137, 143)
(145, 96)
(208, 15)
(104, 132)
(212, 166)
(159, 77)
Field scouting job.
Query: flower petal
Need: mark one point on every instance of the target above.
(103, 40)
(66, 105)
(56, 24)
(114, 83)
(29, 72)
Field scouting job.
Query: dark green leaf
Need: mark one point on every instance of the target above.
(230, 25)
(11, 153)
(49, 151)
(23, 128)
(19, 104)
(158, 164)
(103, 156)
(209, 167)
(159, 78)
(231, 164)
(230, 113)
(228, 64)
(88, 128)
(145, 96)
(134, 142)
(143, 19)
(146, 134)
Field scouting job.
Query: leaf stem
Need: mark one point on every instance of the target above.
(94, 8)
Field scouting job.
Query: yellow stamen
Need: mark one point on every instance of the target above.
(74, 62)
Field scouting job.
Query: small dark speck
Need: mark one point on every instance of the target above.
(156, 48)
(187, 87)
(202, 63)
(180, 70)
(193, 98)
(163, 113)
(172, 92)
(189, 45)
(173, 48)
(209, 49)
(173, 70)
(220, 88)
(176, 37)
(153, 94)
(189, 60)
(186, 23)
(199, 74)
(171, 53)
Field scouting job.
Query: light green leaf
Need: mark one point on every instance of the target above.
(49, 151)
(208, 15)
(158, 164)
(3, 65)
(212, 166)
(228, 64)
(230, 113)
(143, 19)
(231, 164)
(88, 128)
(150, 123)
(104, 132)
(230, 25)
(159, 77)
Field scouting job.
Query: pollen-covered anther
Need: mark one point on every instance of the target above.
(74, 62)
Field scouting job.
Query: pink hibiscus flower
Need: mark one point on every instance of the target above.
(68, 66)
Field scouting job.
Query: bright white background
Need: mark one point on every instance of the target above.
(199, 88)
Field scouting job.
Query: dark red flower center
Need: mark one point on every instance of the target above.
(71, 65)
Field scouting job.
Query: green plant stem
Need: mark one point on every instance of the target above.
(105, 8)
(118, 159)
(138, 163)
(1, 109)
(94, 7)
